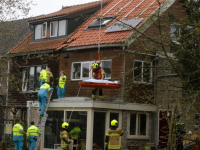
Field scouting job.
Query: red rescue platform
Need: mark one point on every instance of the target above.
(108, 85)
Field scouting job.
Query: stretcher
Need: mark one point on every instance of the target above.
(93, 83)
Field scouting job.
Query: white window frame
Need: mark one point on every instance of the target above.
(56, 30)
(25, 87)
(90, 73)
(137, 128)
(142, 71)
(44, 24)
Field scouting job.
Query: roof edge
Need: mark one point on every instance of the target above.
(92, 46)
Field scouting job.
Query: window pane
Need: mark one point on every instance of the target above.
(54, 28)
(107, 67)
(85, 70)
(0, 80)
(132, 124)
(31, 78)
(77, 118)
(44, 29)
(38, 31)
(142, 124)
(38, 70)
(146, 72)
(62, 27)
(114, 116)
(76, 70)
(52, 128)
(137, 71)
(24, 79)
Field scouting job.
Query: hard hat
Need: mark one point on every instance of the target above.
(114, 122)
(95, 65)
(65, 125)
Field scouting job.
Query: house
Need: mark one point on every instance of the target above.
(11, 32)
(115, 33)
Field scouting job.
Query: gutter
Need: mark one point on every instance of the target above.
(92, 46)
(7, 84)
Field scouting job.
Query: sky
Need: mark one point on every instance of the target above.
(48, 6)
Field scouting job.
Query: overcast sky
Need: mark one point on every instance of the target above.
(49, 6)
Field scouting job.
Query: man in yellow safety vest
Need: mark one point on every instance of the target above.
(61, 85)
(18, 132)
(113, 134)
(43, 75)
(32, 134)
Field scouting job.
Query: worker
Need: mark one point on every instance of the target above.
(97, 73)
(43, 75)
(113, 134)
(32, 134)
(49, 77)
(18, 132)
(61, 85)
(42, 96)
(65, 141)
(75, 133)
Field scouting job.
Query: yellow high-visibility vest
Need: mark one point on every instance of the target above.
(16, 130)
(62, 82)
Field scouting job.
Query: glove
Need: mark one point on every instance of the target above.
(51, 89)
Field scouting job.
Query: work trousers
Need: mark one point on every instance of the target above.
(42, 102)
(61, 92)
(31, 142)
(18, 145)
(94, 91)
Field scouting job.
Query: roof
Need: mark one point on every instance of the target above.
(123, 10)
(71, 10)
(11, 33)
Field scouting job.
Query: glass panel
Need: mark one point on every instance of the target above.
(137, 71)
(107, 67)
(85, 70)
(38, 70)
(142, 124)
(114, 116)
(38, 31)
(132, 124)
(44, 29)
(146, 72)
(77, 118)
(0, 80)
(24, 79)
(31, 78)
(54, 28)
(62, 27)
(52, 128)
(76, 70)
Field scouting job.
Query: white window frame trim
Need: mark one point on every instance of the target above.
(56, 29)
(128, 126)
(90, 74)
(151, 73)
(45, 23)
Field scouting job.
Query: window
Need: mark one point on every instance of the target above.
(44, 30)
(81, 70)
(55, 28)
(100, 21)
(38, 31)
(137, 125)
(30, 78)
(175, 33)
(142, 71)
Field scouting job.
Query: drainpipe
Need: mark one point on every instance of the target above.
(29, 103)
(8, 74)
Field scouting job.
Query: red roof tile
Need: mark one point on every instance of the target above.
(71, 10)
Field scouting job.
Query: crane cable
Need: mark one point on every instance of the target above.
(98, 57)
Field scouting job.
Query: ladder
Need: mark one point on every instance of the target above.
(41, 122)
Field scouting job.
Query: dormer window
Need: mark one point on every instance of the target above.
(102, 21)
(50, 29)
